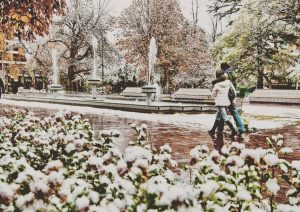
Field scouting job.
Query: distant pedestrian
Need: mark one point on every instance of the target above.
(222, 101)
(226, 68)
(2, 90)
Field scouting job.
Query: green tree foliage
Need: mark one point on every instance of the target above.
(262, 40)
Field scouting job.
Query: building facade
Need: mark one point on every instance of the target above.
(13, 68)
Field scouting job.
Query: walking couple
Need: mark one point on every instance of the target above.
(224, 93)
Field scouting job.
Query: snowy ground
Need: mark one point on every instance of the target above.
(260, 116)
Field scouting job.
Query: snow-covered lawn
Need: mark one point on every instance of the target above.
(260, 116)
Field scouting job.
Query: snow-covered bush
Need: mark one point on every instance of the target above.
(242, 179)
(59, 164)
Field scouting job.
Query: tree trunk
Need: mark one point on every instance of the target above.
(71, 76)
(268, 80)
(166, 81)
(260, 79)
(72, 67)
(259, 63)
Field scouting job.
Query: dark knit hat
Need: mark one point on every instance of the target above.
(224, 66)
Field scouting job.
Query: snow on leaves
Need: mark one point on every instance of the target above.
(59, 164)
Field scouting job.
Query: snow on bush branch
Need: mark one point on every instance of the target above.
(59, 164)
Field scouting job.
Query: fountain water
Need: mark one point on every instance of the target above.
(152, 57)
(150, 89)
(54, 66)
(94, 81)
(55, 86)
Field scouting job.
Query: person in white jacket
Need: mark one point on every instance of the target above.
(220, 93)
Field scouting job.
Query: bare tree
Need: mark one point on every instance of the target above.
(72, 36)
(195, 11)
(216, 28)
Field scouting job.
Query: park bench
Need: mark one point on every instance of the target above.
(275, 96)
(133, 92)
(31, 92)
(193, 95)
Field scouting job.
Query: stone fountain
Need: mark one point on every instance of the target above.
(55, 87)
(94, 81)
(150, 89)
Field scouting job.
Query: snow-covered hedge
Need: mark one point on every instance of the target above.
(58, 164)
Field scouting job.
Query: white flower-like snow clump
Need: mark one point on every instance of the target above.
(271, 159)
(272, 186)
(286, 150)
(133, 153)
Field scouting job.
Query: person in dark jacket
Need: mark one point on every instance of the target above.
(1, 87)
(232, 107)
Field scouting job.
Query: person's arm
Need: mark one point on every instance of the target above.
(220, 79)
(232, 86)
(215, 92)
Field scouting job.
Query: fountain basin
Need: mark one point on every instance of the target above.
(55, 88)
(94, 82)
(149, 89)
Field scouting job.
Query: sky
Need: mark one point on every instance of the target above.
(116, 7)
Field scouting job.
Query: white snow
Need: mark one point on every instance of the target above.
(209, 187)
(286, 150)
(133, 153)
(271, 159)
(273, 186)
(82, 203)
(6, 191)
(296, 165)
(243, 194)
(55, 164)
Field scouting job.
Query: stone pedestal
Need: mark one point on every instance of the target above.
(149, 90)
(94, 83)
(54, 89)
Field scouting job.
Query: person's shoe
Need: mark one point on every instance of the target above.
(213, 129)
(233, 134)
(211, 133)
(221, 126)
(219, 133)
(240, 133)
(233, 130)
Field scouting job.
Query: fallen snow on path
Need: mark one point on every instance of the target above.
(279, 116)
(284, 111)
